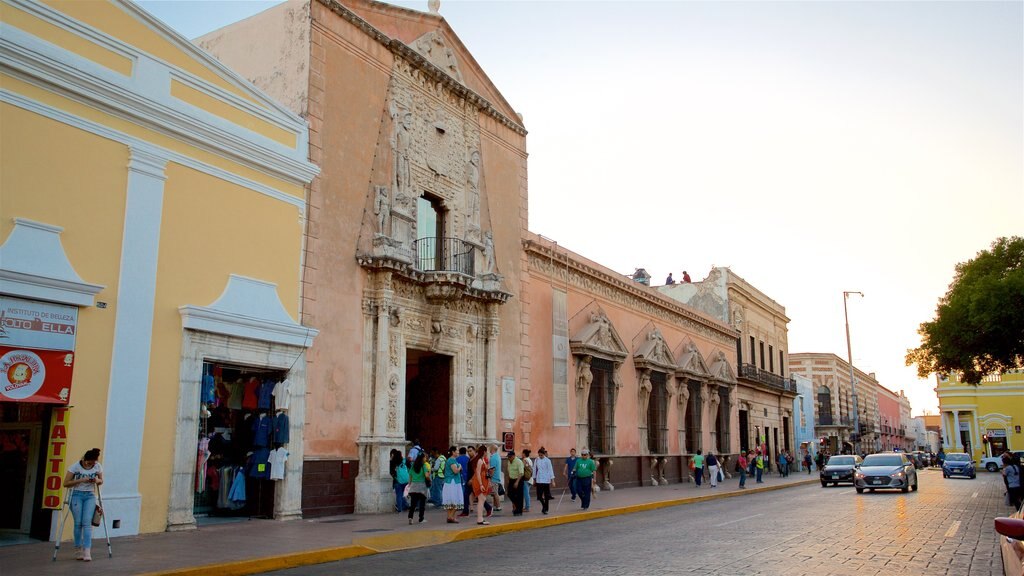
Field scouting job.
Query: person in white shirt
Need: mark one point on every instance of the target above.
(83, 478)
(544, 478)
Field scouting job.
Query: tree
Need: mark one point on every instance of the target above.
(979, 324)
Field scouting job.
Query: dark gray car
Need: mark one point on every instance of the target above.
(887, 470)
(839, 468)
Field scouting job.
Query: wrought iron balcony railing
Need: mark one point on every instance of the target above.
(752, 372)
(444, 255)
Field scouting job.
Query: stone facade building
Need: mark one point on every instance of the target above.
(765, 395)
(830, 377)
(409, 273)
(614, 366)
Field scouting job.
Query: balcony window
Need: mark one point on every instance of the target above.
(434, 252)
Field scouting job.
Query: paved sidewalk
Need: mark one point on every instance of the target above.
(254, 546)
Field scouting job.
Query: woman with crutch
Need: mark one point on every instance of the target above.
(82, 479)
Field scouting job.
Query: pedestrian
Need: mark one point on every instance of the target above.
(452, 492)
(782, 463)
(419, 485)
(527, 478)
(496, 477)
(481, 482)
(759, 466)
(544, 478)
(741, 465)
(84, 478)
(399, 479)
(438, 473)
(570, 473)
(698, 468)
(413, 452)
(807, 461)
(514, 487)
(820, 460)
(463, 459)
(1012, 479)
(585, 468)
(712, 462)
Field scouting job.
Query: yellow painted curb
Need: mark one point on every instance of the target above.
(419, 539)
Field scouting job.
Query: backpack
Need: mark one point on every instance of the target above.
(527, 472)
(402, 474)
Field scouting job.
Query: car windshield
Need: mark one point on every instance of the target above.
(882, 460)
(957, 458)
(841, 461)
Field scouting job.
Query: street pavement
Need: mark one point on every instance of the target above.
(780, 527)
(945, 528)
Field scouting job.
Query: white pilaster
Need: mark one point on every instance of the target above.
(956, 429)
(133, 330)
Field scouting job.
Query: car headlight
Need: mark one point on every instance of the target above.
(897, 475)
(858, 475)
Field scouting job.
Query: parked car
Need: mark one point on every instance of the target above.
(886, 470)
(995, 463)
(958, 464)
(839, 468)
(1011, 543)
(919, 458)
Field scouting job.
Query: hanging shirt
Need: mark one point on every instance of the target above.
(250, 398)
(235, 395)
(259, 463)
(277, 459)
(236, 496)
(281, 431)
(207, 393)
(202, 457)
(264, 393)
(282, 394)
(262, 428)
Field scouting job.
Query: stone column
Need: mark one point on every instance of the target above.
(491, 382)
(943, 429)
(956, 429)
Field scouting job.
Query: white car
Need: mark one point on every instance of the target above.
(995, 463)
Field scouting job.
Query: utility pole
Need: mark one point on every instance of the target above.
(853, 383)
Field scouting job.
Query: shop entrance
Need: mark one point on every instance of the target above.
(428, 385)
(243, 423)
(20, 468)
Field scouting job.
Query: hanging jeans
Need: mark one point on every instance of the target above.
(83, 504)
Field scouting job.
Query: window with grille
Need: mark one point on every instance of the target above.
(657, 413)
(601, 407)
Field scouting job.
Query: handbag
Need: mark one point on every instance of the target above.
(97, 516)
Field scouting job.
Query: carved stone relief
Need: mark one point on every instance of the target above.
(434, 48)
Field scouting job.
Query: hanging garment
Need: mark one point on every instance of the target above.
(207, 393)
(250, 398)
(237, 392)
(227, 476)
(237, 496)
(212, 479)
(262, 428)
(259, 463)
(202, 457)
(264, 394)
(282, 394)
(277, 459)
(281, 432)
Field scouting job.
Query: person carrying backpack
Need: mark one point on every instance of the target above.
(399, 479)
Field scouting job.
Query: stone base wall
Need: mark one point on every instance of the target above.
(328, 487)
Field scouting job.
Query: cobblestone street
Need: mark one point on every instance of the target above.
(944, 528)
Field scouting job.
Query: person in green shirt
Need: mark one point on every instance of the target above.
(515, 483)
(585, 468)
(698, 468)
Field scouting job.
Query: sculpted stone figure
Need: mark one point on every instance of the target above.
(584, 377)
(382, 209)
(400, 141)
(488, 253)
(645, 395)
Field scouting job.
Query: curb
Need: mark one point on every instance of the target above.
(407, 541)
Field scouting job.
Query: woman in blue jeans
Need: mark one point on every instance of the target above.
(83, 479)
(399, 479)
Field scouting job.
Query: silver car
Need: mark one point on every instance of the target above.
(887, 470)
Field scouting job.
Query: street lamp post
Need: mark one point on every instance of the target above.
(849, 358)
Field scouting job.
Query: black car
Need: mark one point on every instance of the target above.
(839, 469)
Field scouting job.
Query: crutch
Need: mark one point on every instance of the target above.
(103, 520)
(65, 509)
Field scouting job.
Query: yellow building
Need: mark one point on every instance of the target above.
(986, 418)
(153, 214)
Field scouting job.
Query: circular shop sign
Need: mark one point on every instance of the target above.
(23, 374)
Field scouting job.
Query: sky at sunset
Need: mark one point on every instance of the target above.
(813, 147)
